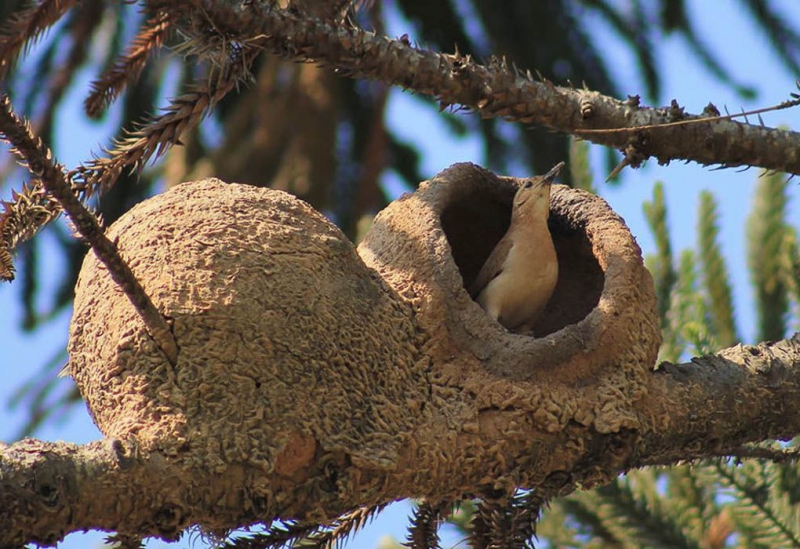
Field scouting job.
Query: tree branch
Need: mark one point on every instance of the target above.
(715, 403)
(26, 26)
(127, 68)
(499, 90)
(229, 36)
(40, 163)
(50, 488)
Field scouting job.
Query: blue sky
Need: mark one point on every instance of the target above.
(740, 46)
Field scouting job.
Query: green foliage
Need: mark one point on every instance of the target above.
(692, 500)
(689, 314)
(762, 511)
(579, 169)
(721, 503)
(662, 268)
(632, 513)
(790, 256)
(715, 275)
(767, 233)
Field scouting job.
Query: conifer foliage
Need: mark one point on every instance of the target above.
(720, 503)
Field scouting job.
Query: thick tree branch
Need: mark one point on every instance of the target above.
(48, 489)
(497, 89)
(715, 403)
(230, 35)
(707, 408)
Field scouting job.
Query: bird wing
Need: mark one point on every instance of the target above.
(492, 268)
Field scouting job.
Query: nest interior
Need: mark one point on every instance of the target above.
(476, 220)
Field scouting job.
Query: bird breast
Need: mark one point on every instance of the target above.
(526, 283)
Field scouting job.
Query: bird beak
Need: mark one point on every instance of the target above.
(549, 176)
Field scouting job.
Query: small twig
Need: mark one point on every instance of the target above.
(7, 270)
(624, 163)
(423, 530)
(302, 534)
(81, 25)
(633, 157)
(780, 106)
(154, 138)
(27, 26)
(128, 67)
(32, 209)
(38, 157)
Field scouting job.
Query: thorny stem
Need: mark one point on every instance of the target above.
(28, 25)
(230, 35)
(493, 90)
(38, 157)
(128, 68)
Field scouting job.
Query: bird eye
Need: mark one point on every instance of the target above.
(528, 184)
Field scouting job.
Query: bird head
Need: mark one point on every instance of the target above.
(533, 196)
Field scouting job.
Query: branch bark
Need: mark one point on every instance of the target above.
(711, 405)
(49, 489)
(499, 89)
(708, 407)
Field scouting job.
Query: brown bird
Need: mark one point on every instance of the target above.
(517, 280)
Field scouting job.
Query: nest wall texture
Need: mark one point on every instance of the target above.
(299, 356)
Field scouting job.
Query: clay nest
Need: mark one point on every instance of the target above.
(299, 356)
(602, 312)
(287, 343)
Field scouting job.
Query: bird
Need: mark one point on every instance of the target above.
(518, 278)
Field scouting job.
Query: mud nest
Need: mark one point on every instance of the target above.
(297, 352)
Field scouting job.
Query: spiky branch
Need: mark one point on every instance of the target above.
(230, 36)
(40, 163)
(498, 90)
(128, 68)
(27, 26)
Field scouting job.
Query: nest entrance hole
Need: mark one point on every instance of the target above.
(476, 220)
